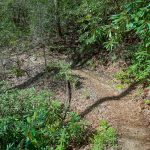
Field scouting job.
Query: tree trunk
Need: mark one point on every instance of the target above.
(68, 101)
(57, 19)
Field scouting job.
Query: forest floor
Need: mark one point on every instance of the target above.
(96, 99)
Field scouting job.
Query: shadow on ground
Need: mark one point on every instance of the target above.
(109, 98)
(51, 82)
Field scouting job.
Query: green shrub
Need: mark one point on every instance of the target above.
(123, 76)
(64, 71)
(105, 137)
(32, 120)
(123, 26)
(140, 68)
(132, 21)
(93, 15)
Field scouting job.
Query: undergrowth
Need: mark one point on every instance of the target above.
(31, 120)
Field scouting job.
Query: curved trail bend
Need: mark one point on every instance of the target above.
(97, 99)
(124, 112)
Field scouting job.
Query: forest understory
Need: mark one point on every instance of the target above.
(74, 75)
(97, 97)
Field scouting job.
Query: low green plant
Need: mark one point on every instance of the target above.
(18, 72)
(4, 85)
(140, 67)
(124, 77)
(31, 120)
(64, 71)
(120, 86)
(147, 102)
(104, 138)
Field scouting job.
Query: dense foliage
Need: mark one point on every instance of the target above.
(123, 31)
(133, 23)
(32, 120)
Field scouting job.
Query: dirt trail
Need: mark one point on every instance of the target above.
(124, 113)
(97, 99)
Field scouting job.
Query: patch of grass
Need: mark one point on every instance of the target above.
(147, 101)
(120, 86)
(123, 77)
(105, 137)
